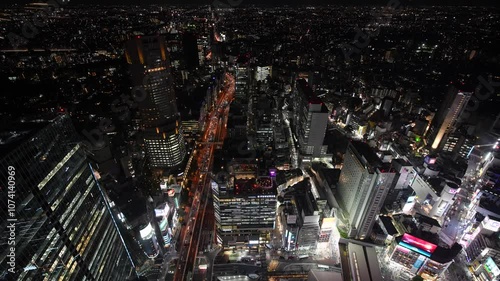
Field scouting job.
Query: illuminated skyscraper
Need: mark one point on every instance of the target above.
(64, 227)
(310, 122)
(363, 186)
(244, 213)
(446, 118)
(161, 126)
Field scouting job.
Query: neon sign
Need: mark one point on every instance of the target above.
(418, 243)
(415, 249)
(491, 268)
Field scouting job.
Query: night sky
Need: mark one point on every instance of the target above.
(492, 3)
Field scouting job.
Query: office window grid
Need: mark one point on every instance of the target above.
(57, 225)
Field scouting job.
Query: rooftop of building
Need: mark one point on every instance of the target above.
(317, 275)
(237, 148)
(427, 220)
(282, 176)
(304, 88)
(364, 260)
(372, 159)
(387, 222)
(436, 184)
(440, 254)
(132, 206)
(400, 162)
(492, 241)
(490, 200)
(304, 199)
(451, 179)
(330, 175)
(249, 187)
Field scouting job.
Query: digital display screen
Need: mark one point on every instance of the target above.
(418, 243)
(415, 249)
(491, 268)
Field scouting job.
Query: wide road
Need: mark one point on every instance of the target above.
(214, 133)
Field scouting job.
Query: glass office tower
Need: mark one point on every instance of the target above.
(149, 66)
(64, 228)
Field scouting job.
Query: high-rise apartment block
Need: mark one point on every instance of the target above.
(310, 121)
(445, 121)
(363, 186)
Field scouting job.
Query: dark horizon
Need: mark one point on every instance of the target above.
(412, 3)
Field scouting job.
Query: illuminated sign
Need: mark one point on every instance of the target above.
(147, 232)
(418, 243)
(163, 224)
(403, 249)
(171, 192)
(430, 160)
(418, 263)
(162, 211)
(491, 267)
(272, 172)
(415, 249)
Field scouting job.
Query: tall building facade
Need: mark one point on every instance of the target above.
(308, 220)
(459, 145)
(160, 120)
(64, 228)
(363, 186)
(242, 82)
(447, 117)
(244, 214)
(310, 121)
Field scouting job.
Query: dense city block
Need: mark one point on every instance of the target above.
(235, 141)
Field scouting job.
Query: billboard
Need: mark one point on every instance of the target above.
(430, 160)
(163, 185)
(491, 268)
(272, 172)
(163, 224)
(415, 249)
(171, 192)
(162, 211)
(417, 243)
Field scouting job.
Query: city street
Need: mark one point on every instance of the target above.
(200, 181)
(454, 224)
